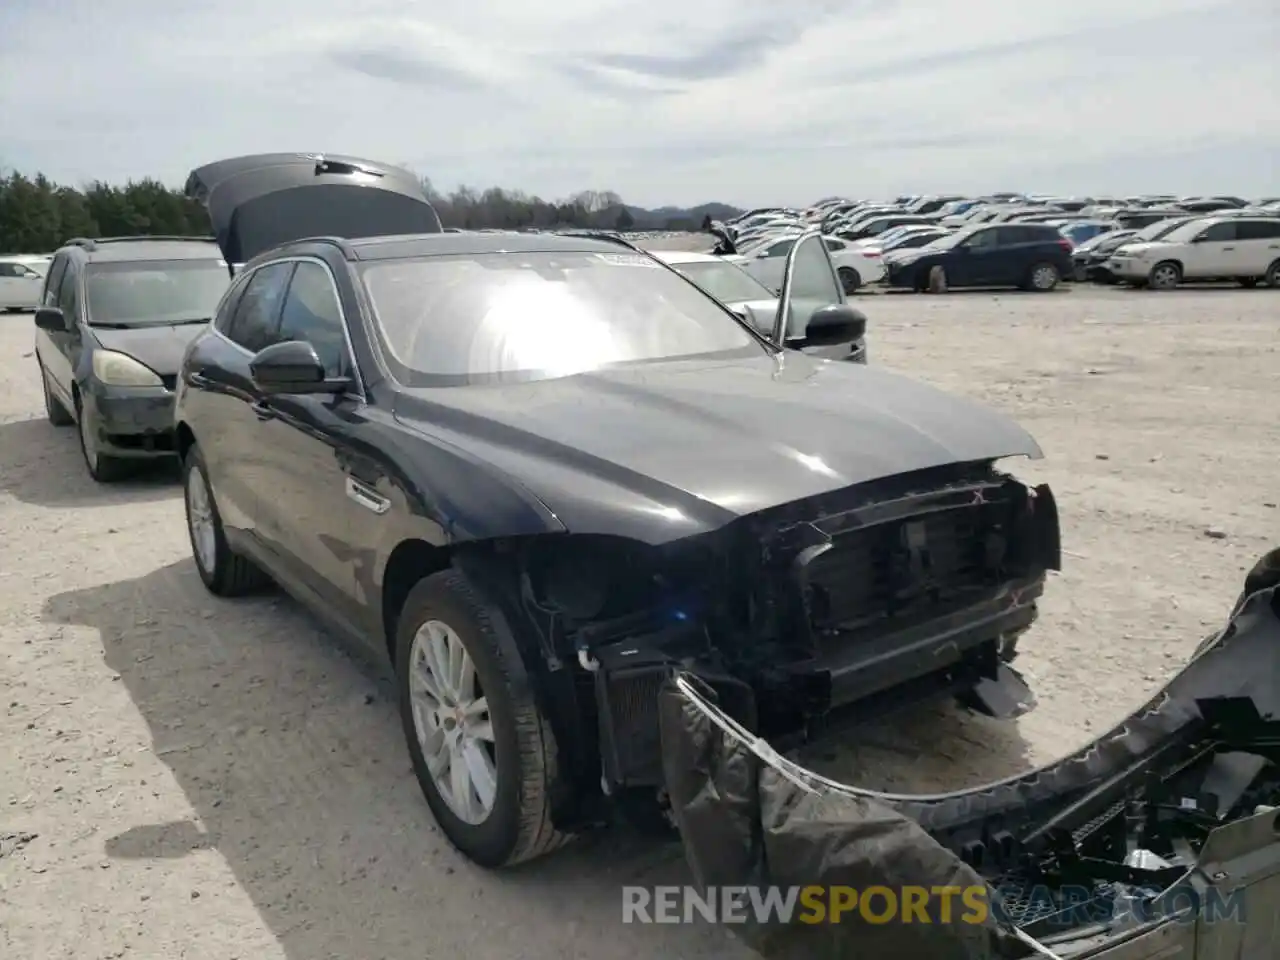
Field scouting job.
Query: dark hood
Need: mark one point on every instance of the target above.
(159, 347)
(259, 202)
(706, 441)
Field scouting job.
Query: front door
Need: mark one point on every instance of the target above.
(972, 263)
(228, 399)
(1259, 245)
(62, 348)
(307, 506)
(1213, 252)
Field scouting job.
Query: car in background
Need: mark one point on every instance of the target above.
(1030, 256)
(899, 245)
(21, 282)
(1089, 259)
(1078, 231)
(1243, 249)
(753, 301)
(766, 262)
(114, 317)
(537, 472)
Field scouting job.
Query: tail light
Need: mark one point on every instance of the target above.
(1066, 244)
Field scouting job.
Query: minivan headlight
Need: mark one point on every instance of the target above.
(121, 370)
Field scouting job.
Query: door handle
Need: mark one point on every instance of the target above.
(1228, 248)
(261, 410)
(371, 501)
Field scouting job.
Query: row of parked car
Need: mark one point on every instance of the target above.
(936, 242)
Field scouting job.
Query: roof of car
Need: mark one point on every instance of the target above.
(443, 244)
(685, 256)
(123, 249)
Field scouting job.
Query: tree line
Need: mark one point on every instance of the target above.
(38, 215)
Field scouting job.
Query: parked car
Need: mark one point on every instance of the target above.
(537, 472)
(1244, 249)
(1032, 256)
(21, 281)
(854, 265)
(1089, 259)
(906, 241)
(1079, 231)
(113, 319)
(757, 304)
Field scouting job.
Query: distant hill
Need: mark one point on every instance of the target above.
(677, 218)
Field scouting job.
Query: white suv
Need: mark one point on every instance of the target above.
(1244, 249)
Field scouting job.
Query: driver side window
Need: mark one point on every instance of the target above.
(1218, 233)
(312, 313)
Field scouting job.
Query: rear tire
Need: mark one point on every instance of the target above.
(1043, 277)
(53, 408)
(224, 572)
(1165, 275)
(508, 817)
(1272, 279)
(850, 279)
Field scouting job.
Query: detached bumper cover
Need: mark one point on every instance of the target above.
(1193, 772)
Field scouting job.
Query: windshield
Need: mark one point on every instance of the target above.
(1160, 229)
(724, 281)
(500, 317)
(155, 292)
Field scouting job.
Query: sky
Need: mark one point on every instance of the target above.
(747, 102)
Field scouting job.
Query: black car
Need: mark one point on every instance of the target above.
(1031, 256)
(114, 318)
(1089, 260)
(540, 472)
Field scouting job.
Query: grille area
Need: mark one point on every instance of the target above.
(907, 568)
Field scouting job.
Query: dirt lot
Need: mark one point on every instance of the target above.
(210, 779)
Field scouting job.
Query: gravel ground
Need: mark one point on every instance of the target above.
(185, 777)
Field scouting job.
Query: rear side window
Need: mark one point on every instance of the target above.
(311, 312)
(253, 325)
(1258, 229)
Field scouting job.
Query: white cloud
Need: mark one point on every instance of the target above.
(745, 101)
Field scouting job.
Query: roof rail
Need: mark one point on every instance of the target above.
(92, 243)
(605, 236)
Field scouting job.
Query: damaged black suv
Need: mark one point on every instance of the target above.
(541, 472)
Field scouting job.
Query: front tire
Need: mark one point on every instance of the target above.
(483, 754)
(102, 467)
(58, 414)
(850, 279)
(937, 281)
(1165, 275)
(224, 572)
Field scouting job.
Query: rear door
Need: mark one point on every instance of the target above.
(1259, 242)
(302, 442)
(1016, 247)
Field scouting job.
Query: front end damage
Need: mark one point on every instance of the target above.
(807, 614)
(1161, 838)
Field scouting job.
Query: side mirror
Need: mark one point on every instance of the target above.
(833, 325)
(51, 319)
(292, 367)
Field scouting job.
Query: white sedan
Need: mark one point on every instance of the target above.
(855, 266)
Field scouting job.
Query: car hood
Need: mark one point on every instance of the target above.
(259, 202)
(1133, 249)
(159, 347)
(688, 445)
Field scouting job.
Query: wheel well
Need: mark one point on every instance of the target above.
(410, 562)
(183, 441)
(1176, 263)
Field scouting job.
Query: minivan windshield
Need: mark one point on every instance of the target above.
(513, 317)
(138, 293)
